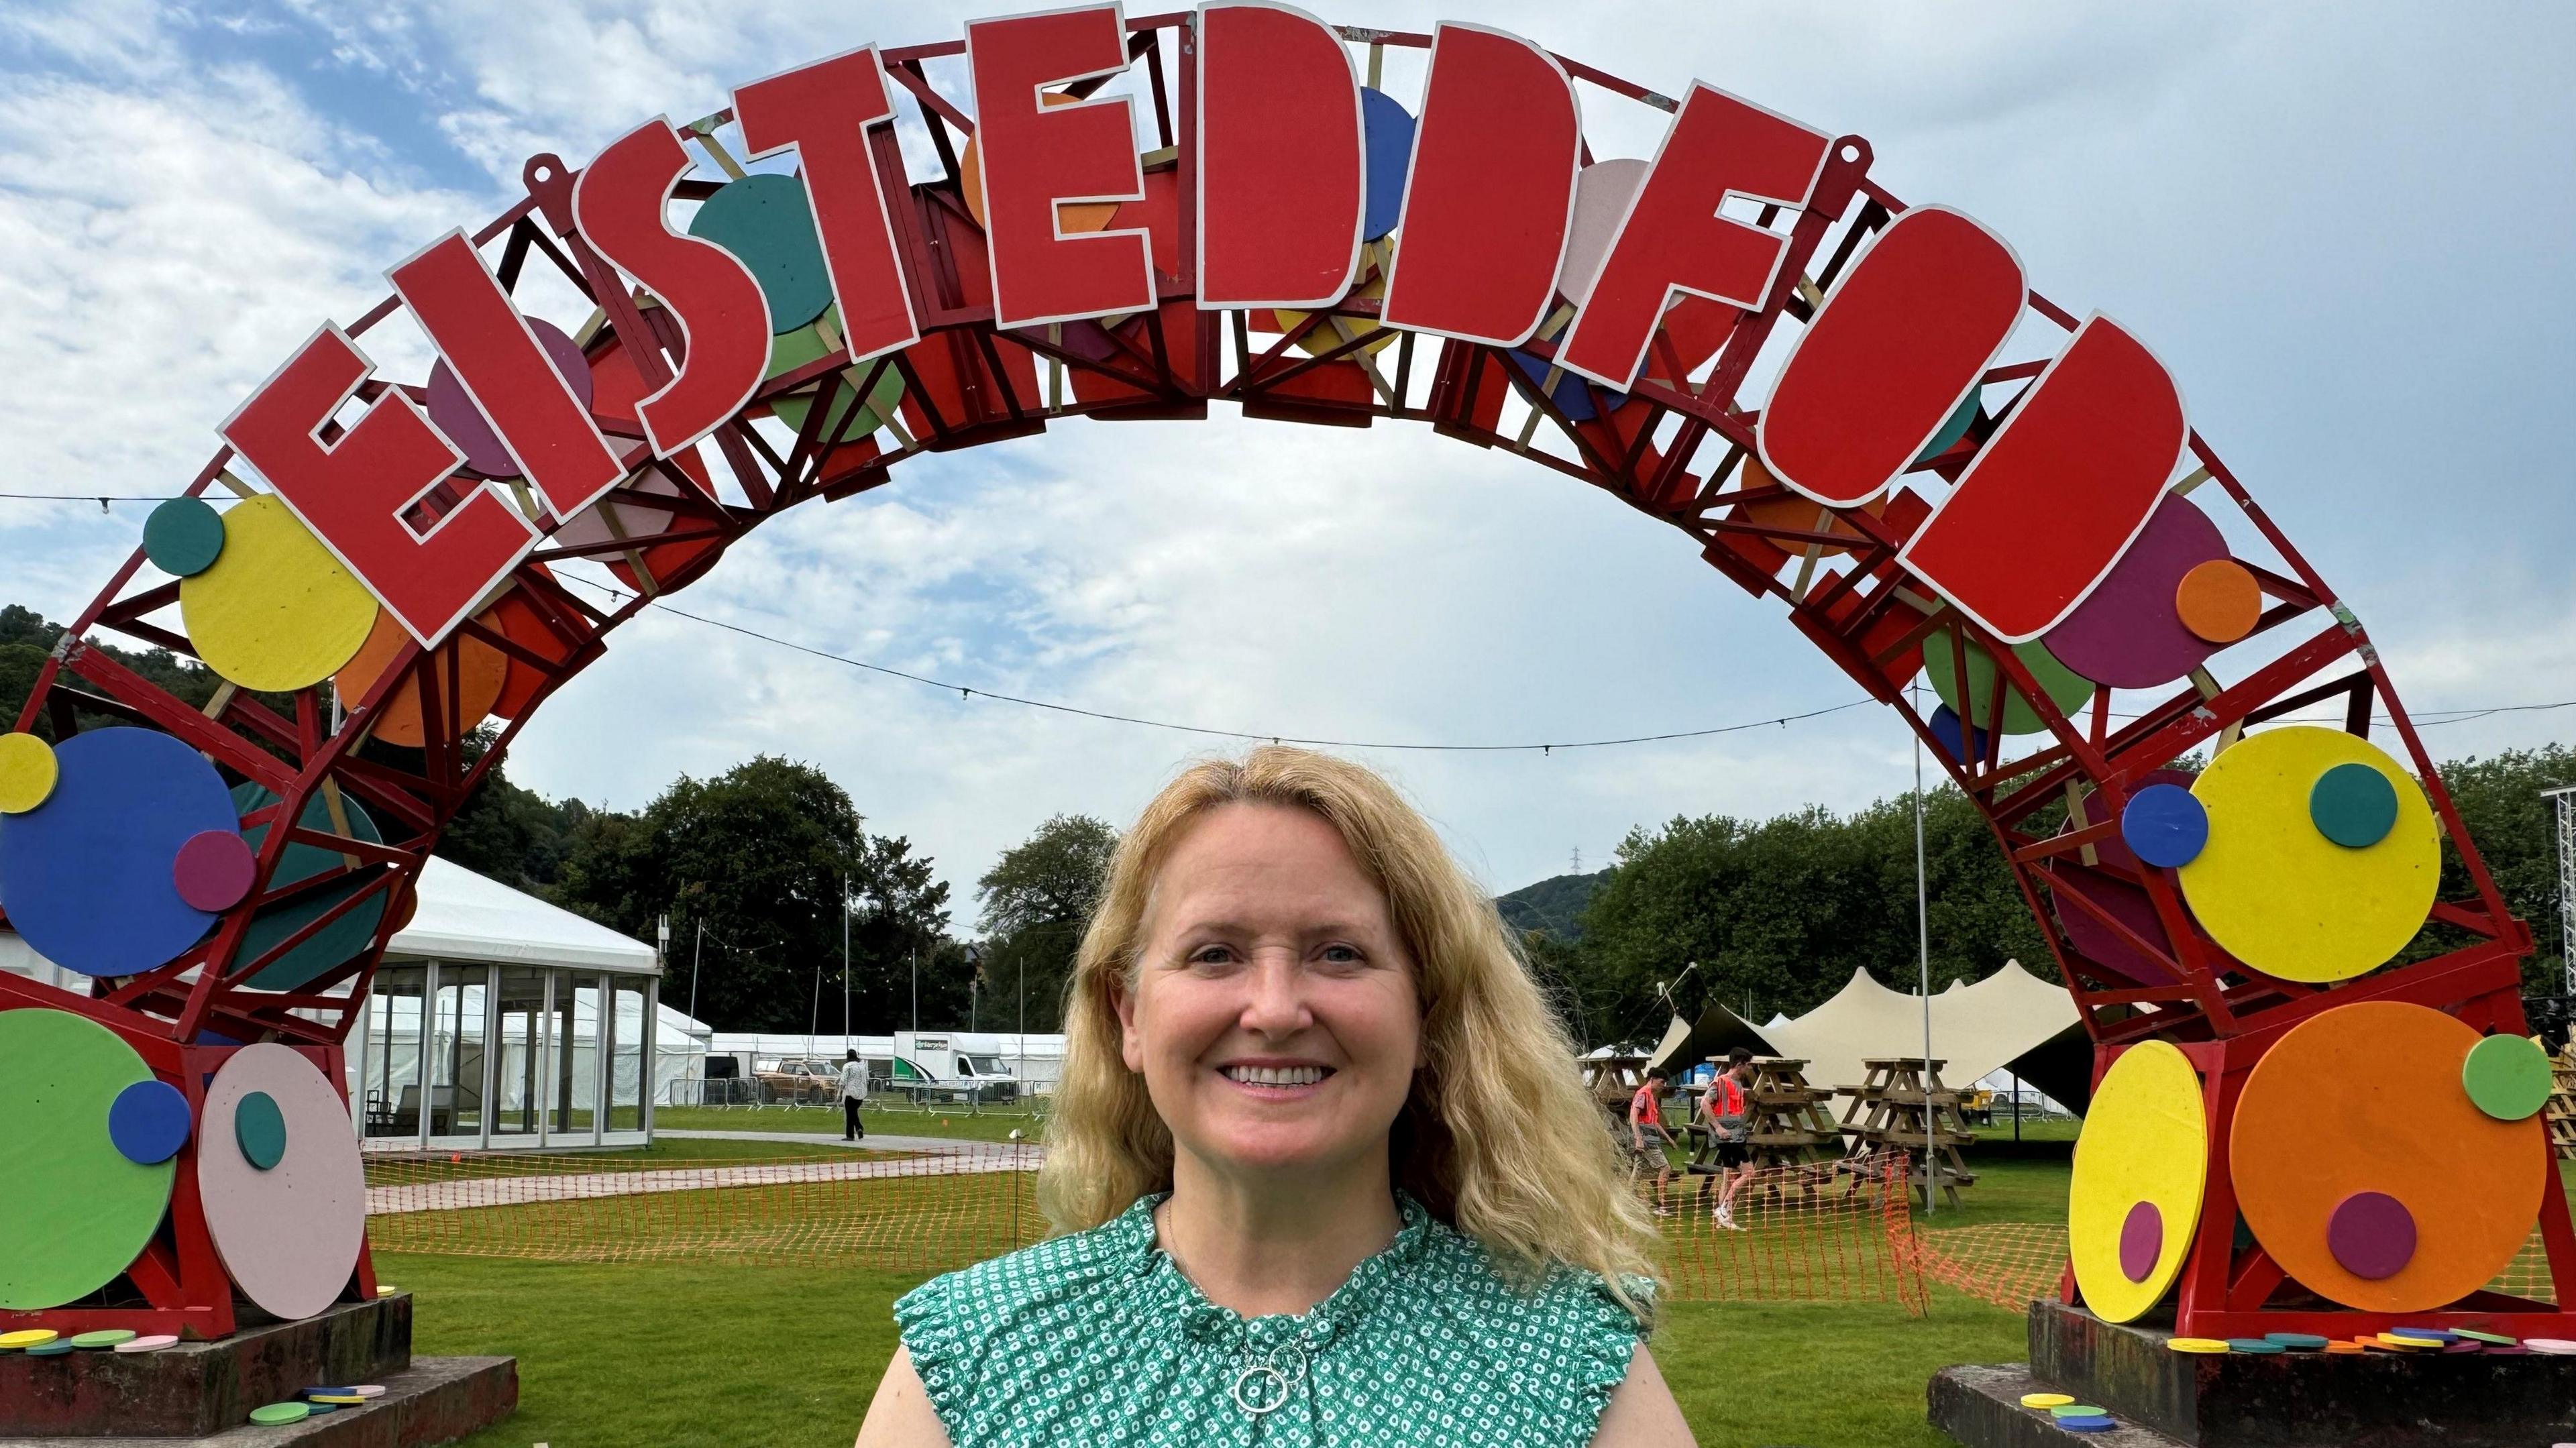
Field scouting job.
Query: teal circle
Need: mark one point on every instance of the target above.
(768, 224)
(1953, 428)
(259, 1129)
(333, 944)
(2353, 805)
(2507, 1077)
(183, 537)
(78, 1210)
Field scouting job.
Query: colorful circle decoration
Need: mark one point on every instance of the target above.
(1953, 428)
(2276, 890)
(28, 772)
(275, 611)
(183, 537)
(79, 1208)
(2164, 825)
(214, 870)
(475, 678)
(768, 222)
(1795, 510)
(850, 419)
(87, 876)
(1070, 217)
(104, 1337)
(148, 1122)
(332, 945)
(2508, 1077)
(2122, 901)
(1601, 196)
(1386, 140)
(2366, 1171)
(2144, 1146)
(2065, 688)
(2219, 601)
(453, 409)
(1945, 728)
(2353, 805)
(2129, 633)
(26, 1337)
(289, 1231)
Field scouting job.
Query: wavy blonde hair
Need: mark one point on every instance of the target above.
(1498, 1137)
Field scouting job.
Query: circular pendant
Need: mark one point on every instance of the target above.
(1261, 1389)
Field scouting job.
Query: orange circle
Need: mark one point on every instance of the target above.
(2367, 1098)
(485, 669)
(517, 620)
(1069, 217)
(1794, 510)
(2219, 601)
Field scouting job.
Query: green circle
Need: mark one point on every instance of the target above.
(2065, 688)
(276, 1413)
(104, 1337)
(259, 1129)
(2353, 805)
(2507, 1076)
(78, 1209)
(2076, 1410)
(768, 224)
(183, 537)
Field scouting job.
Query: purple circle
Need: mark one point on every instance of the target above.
(2126, 634)
(2142, 1241)
(2130, 905)
(454, 412)
(214, 870)
(2372, 1235)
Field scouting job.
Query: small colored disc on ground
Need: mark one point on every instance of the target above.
(387, 1290)
(276, 611)
(2163, 825)
(259, 1129)
(57, 1348)
(2257, 1346)
(2219, 601)
(289, 1234)
(2279, 894)
(2127, 634)
(86, 876)
(214, 870)
(322, 1390)
(1386, 139)
(334, 943)
(316, 1407)
(2400, 1339)
(2341, 1347)
(78, 1209)
(2098, 1423)
(276, 1413)
(28, 771)
(2065, 688)
(2296, 1341)
(2353, 805)
(27, 1337)
(369, 1390)
(453, 410)
(2361, 1105)
(104, 1337)
(2045, 1400)
(148, 1121)
(343, 1400)
(768, 222)
(2452, 1349)
(2437, 1334)
(2145, 1140)
(2493, 1339)
(183, 537)
(2076, 1410)
(152, 1342)
(2554, 1346)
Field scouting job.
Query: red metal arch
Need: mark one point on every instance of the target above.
(1675, 451)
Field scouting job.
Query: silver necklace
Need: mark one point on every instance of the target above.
(1265, 1382)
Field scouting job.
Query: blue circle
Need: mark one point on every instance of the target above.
(148, 1122)
(2353, 805)
(333, 944)
(1386, 135)
(1572, 395)
(85, 876)
(2084, 1424)
(767, 222)
(2165, 825)
(1944, 724)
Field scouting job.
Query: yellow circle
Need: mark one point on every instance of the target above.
(276, 611)
(2146, 1139)
(2196, 1344)
(28, 1337)
(27, 772)
(2045, 1400)
(2278, 894)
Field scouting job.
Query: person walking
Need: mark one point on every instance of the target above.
(1730, 1130)
(854, 1089)
(1646, 1114)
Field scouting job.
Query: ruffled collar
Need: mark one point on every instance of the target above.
(1363, 1291)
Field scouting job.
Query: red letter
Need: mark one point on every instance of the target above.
(506, 374)
(824, 110)
(1490, 190)
(1036, 157)
(352, 494)
(1893, 352)
(1719, 148)
(2060, 490)
(1281, 176)
(617, 206)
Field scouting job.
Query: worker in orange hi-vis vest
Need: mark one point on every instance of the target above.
(1647, 1137)
(1730, 1126)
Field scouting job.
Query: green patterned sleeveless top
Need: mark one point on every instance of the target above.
(1096, 1340)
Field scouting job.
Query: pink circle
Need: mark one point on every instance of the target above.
(214, 870)
(2127, 634)
(2372, 1235)
(456, 416)
(2142, 1241)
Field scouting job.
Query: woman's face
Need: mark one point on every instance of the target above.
(1274, 1016)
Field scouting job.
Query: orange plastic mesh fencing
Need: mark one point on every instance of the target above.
(2011, 1263)
(923, 1211)
(1801, 1234)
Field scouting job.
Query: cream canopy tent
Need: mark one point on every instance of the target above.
(2009, 1021)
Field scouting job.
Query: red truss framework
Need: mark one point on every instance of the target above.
(1676, 451)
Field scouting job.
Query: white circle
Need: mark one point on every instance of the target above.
(1601, 196)
(289, 1235)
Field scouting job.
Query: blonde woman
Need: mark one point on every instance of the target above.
(1321, 1161)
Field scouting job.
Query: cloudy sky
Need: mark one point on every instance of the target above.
(2344, 227)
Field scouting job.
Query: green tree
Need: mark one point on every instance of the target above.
(1036, 901)
(2500, 802)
